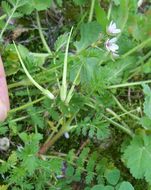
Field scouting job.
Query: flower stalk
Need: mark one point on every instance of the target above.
(44, 91)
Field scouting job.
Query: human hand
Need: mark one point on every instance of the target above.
(4, 99)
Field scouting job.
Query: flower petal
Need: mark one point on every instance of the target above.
(114, 47)
(113, 40)
(117, 31)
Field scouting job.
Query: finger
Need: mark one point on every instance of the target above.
(4, 99)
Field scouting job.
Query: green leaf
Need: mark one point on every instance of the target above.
(126, 186)
(101, 16)
(59, 2)
(90, 167)
(137, 157)
(35, 117)
(79, 2)
(6, 7)
(39, 5)
(117, 2)
(89, 69)
(83, 156)
(112, 176)
(89, 34)
(103, 131)
(102, 187)
(69, 171)
(61, 41)
(146, 122)
(147, 103)
(30, 163)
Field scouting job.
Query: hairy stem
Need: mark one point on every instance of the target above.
(119, 126)
(91, 10)
(41, 35)
(129, 84)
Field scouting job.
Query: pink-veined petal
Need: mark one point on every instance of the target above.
(113, 40)
(114, 47)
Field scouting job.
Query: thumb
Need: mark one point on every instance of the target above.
(4, 99)
(3, 111)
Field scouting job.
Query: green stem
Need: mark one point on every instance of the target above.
(119, 126)
(140, 46)
(41, 35)
(109, 10)
(8, 20)
(129, 84)
(139, 68)
(44, 91)
(116, 117)
(123, 114)
(124, 110)
(26, 105)
(2, 161)
(91, 10)
(57, 77)
(39, 76)
(70, 94)
(49, 142)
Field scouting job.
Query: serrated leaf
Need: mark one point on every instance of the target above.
(6, 7)
(101, 16)
(146, 122)
(12, 160)
(126, 186)
(90, 167)
(112, 176)
(61, 41)
(17, 15)
(70, 171)
(89, 34)
(102, 187)
(31, 5)
(137, 157)
(30, 163)
(35, 117)
(41, 5)
(103, 131)
(83, 156)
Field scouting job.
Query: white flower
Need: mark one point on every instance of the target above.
(112, 29)
(115, 55)
(111, 45)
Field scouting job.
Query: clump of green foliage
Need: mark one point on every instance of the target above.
(80, 116)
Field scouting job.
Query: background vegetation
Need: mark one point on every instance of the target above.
(80, 118)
